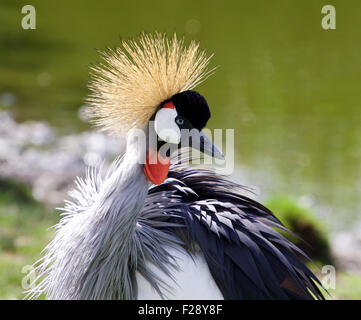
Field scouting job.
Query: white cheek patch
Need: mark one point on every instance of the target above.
(165, 126)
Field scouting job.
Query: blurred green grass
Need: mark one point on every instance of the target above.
(24, 233)
(303, 222)
(348, 286)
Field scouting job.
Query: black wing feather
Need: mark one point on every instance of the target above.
(246, 256)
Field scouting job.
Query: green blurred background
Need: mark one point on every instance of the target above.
(290, 89)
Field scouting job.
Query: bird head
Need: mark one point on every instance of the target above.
(178, 123)
(147, 83)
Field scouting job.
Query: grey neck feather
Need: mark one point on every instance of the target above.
(95, 250)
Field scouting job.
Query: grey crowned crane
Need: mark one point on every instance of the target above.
(151, 228)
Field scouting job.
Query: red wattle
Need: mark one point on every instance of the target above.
(156, 167)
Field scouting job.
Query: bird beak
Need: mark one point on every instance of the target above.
(199, 141)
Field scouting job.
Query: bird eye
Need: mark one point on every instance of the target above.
(179, 121)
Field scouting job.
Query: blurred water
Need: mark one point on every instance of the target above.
(290, 89)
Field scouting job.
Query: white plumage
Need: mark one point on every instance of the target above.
(192, 280)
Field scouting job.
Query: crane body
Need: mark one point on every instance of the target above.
(164, 230)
